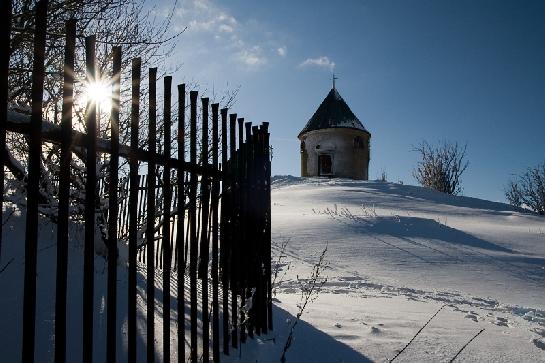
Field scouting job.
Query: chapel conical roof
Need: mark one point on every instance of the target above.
(333, 113)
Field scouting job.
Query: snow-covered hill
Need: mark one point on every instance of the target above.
(396, 253)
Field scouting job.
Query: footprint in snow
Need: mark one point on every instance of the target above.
(540, 343)
(375, 330)
(540, 332)
(338, 325)
(501, 321)
(472, 317)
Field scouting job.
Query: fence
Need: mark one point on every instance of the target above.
(219, 214)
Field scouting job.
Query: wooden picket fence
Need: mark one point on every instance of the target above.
(210, 221)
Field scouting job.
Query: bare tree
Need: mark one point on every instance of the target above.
(143, 29)
(528, 190)
(441, 166)
(131, 24)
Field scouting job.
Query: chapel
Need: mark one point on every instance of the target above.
(334, 142)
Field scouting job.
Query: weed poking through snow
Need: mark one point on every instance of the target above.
(310, 290)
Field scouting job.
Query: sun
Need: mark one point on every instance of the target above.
(99, 92)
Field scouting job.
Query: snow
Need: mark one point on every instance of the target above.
(354, 124)
(396, 254)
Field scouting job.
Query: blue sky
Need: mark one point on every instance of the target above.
(465, 71)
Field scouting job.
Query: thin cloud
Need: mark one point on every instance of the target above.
(243, 42)
(252, 57)
(321, 62)
(225, 28)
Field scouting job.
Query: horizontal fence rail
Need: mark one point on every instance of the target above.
(206, 219)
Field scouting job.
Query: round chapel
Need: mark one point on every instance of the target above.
(334, 142)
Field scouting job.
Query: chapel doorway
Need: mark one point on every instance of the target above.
(324, 165)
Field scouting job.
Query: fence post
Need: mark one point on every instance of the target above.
(265, 248)
(64, 193)
(193, 225)
(215, 198)
(133, 209)
(180, 225)
(113, 211)
(34, 155)
(242, 239)
(205, 245)
(253, 206)
(254, 240)
(268, 261)
(167, 194)
(224, 250)
(90, 189)
(261, 305)
(150, 228)
(5, 31)
(260, 232)
(233, 263)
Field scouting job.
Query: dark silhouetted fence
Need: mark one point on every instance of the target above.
(216, 216)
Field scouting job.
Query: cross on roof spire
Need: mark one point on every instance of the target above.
(334, 78)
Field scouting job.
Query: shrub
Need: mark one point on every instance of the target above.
(528, 190)
(441, 166)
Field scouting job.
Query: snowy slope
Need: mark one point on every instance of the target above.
(397, 253)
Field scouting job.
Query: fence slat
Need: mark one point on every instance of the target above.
(233, 251)
(243, 216)
(256, 231)
(193, 225)
(90, 190)
(223, 238)
(150, 228)
(34, 155)
(255, 237)
(267, 241)
(5, 29)
(180, 225)
(262, 232)
(261, 309)
(215, 197)
(204, 246)
(134, 183)
(112, 211)
(64, 194)
(167, 195)
(253, 209)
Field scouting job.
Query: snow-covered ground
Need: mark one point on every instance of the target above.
(396, 254)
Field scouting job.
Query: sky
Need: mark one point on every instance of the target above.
(471, 72)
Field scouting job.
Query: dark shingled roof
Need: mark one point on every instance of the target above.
(333, 113)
